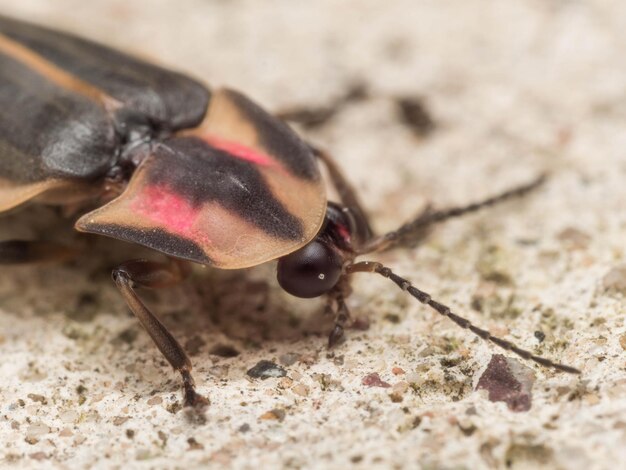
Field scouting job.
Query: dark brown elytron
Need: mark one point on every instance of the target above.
(155, 158)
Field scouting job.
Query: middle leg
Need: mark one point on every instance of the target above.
(143, 273)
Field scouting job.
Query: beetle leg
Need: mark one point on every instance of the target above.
(428, 218)
(143, 273)
(347, 194)
(337, 306)
(313, 117)
(22, 251)
(342, 317)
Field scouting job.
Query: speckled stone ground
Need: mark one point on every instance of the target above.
(514, 88)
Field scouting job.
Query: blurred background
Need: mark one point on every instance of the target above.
(440, 102)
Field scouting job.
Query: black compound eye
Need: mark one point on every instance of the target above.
(310, 271)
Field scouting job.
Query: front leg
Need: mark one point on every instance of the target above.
(337, 306)
(143, 273)
(347, 194)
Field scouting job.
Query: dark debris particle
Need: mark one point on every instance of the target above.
(508, 380)
(224, 350)
(128, 336)
(449, 362)
(467, 430)
(174, 407)
(194, 445)
(86, 307)
(276, 414)
(266, 369)
(81, 390)
(194, 344)
(528, 455)
(540, 335)
(361, 323)
(338, 360)
(415, 115)
(130, 433)
(374, 380)
(392, 318)
(38, 398)
(244, 428)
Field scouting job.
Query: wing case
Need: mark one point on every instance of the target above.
(64, 107)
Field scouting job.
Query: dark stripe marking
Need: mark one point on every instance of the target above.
(278, 138)
(201, 173)
(156, 239)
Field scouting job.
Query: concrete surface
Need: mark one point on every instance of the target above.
(513, 88)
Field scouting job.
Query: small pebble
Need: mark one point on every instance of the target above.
(219, 371)
(37, 430)
(266, 369)
(275, 414)
(289, 359)
(508, 380)
(574, 238)
(155, 401)
(194, 445)
(374, 380)
(300, 389)
(69, 416)
(615, 280)
(38, 456)
(38, 398)
(397, 391)
(285, 382)
(119, 420)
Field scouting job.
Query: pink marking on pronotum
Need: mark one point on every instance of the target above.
(170, 210)
(240, 151)
(345, 233)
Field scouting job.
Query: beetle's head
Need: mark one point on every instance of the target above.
(315, 269)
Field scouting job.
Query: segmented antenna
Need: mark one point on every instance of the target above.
(423, 297)
(388, 240)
